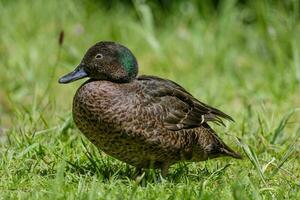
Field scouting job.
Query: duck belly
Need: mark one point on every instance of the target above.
(135, 149)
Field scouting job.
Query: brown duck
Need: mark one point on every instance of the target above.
(145, 121)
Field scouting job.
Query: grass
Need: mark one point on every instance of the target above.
(243, 59)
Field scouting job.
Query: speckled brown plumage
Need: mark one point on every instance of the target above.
(145, 121)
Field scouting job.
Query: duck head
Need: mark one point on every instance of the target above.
(105, 61)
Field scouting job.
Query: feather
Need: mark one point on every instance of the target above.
(183, 110)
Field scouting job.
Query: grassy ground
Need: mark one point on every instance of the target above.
(244, 60)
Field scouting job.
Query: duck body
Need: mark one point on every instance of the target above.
(145, 121)
(142, 123)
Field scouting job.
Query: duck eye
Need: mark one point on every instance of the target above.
(99, 56)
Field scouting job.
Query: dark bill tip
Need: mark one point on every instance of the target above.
(77, 74)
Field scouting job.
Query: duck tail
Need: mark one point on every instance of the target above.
(226, 151)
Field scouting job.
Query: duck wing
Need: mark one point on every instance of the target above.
(183, 110)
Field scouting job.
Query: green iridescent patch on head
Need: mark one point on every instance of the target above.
(128, 60)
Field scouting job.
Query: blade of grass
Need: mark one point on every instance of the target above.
(94, 161)
(267, 165)
(214, 174)
(286, 156)
(281, 126)
(254, 160)
(296, 60)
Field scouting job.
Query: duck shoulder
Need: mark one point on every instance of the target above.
(183, 110)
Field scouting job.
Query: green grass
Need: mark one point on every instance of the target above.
(243, 59)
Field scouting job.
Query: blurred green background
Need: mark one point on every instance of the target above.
(240, 56)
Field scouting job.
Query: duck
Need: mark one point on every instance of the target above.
(145, 121)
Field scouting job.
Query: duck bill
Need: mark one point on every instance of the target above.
(77, 74)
